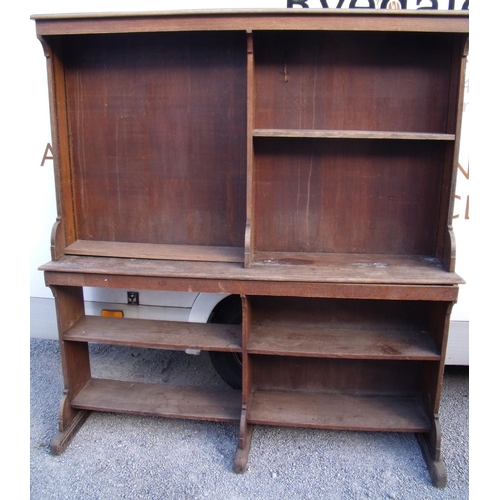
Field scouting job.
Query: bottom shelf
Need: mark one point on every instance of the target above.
(323, 411)
(161, 400)
(346, 412)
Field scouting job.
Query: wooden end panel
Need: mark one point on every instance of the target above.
(156, 334)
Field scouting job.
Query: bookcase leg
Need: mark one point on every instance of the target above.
(430, 445)
(70, 421)
(75, 363)
(241, 457)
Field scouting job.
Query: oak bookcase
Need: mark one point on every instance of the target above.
(303, 160)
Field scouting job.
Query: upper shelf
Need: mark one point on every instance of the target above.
(352, 134)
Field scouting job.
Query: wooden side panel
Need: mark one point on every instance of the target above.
(63, 230)
(74, 355)
(158, 124)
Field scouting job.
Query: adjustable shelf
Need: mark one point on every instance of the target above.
(302, 161)
(351, 134)
(156, 334)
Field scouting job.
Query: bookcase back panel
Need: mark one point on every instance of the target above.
(318, 313)
(353, 81)
(158, 130)
(337, 376)
(347, 196)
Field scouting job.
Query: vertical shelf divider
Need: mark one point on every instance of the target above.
(249, 232)
(245, 435)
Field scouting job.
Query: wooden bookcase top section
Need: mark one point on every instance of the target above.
(260, 138)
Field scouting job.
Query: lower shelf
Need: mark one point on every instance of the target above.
(156, 334)
(160, 400)
(324, 411)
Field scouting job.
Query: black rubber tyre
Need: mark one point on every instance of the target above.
(227, 364)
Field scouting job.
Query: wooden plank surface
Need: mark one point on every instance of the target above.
(433, 292)
(347, 196)
(363, 413)
(335, 341)
(160, 400)
(308, 19)
(155, 251)
(158, 139)
(156, 334)
(343, 268)
(352, 134)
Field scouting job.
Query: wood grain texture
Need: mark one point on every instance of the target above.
(158, 126)
(156, 334)
(433, 292)
(374, 197)
(353, 81)
(351, 134)
(282, 19)
(338, 412)
(160, 400)
(311, 375)
(155, 251)
(339, 328)
(342, 268)
(347, 342)
(302, 159)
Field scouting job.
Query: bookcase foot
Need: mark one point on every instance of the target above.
(241, 457)
(70, 421)
(436, 468)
